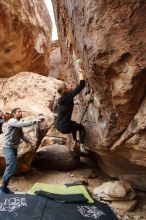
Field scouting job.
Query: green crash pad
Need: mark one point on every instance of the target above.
(61, 189)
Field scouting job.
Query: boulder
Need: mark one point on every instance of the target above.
(56, 157)
(116, 190)
(55, 67)
(127, 206)
(109, 36)
(33, 93)
(30, 91)
(25, 37)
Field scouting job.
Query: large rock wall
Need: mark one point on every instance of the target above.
(109, 36)
(55, 68)
(25, 35)
(29, 91)
(33, 94)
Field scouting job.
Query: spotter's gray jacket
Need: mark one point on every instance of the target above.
(14, 132)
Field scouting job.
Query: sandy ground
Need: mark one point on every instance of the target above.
(85, 174)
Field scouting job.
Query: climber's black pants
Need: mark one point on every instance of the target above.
(74, 127)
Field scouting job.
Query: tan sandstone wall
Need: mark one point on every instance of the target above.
(25, 35)
(56, 67)
(109, 35)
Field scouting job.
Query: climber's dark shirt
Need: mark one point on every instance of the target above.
(65, 108)
(1, 123)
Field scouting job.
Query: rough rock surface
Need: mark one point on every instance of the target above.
(30, 91)
(115, 190)
(56, 157)
(110, 38)
(53, 136)
(127, 206)
(55, 67)
(25, 36)
(33, 93)
(120, 194)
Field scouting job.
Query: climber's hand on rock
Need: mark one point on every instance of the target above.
(80, 69)
(81, 76)
(79, 64)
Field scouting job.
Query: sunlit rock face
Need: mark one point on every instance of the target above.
(55, 67)
(34, 94)
(25, 36)
(29, 91)
(110, 38)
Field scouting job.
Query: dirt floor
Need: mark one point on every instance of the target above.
(87, 175)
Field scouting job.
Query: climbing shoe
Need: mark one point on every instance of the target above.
(83, 151)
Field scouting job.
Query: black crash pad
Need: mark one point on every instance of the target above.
(31, 207)
(21, 207)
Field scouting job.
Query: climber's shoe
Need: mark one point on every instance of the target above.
(83, 151)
